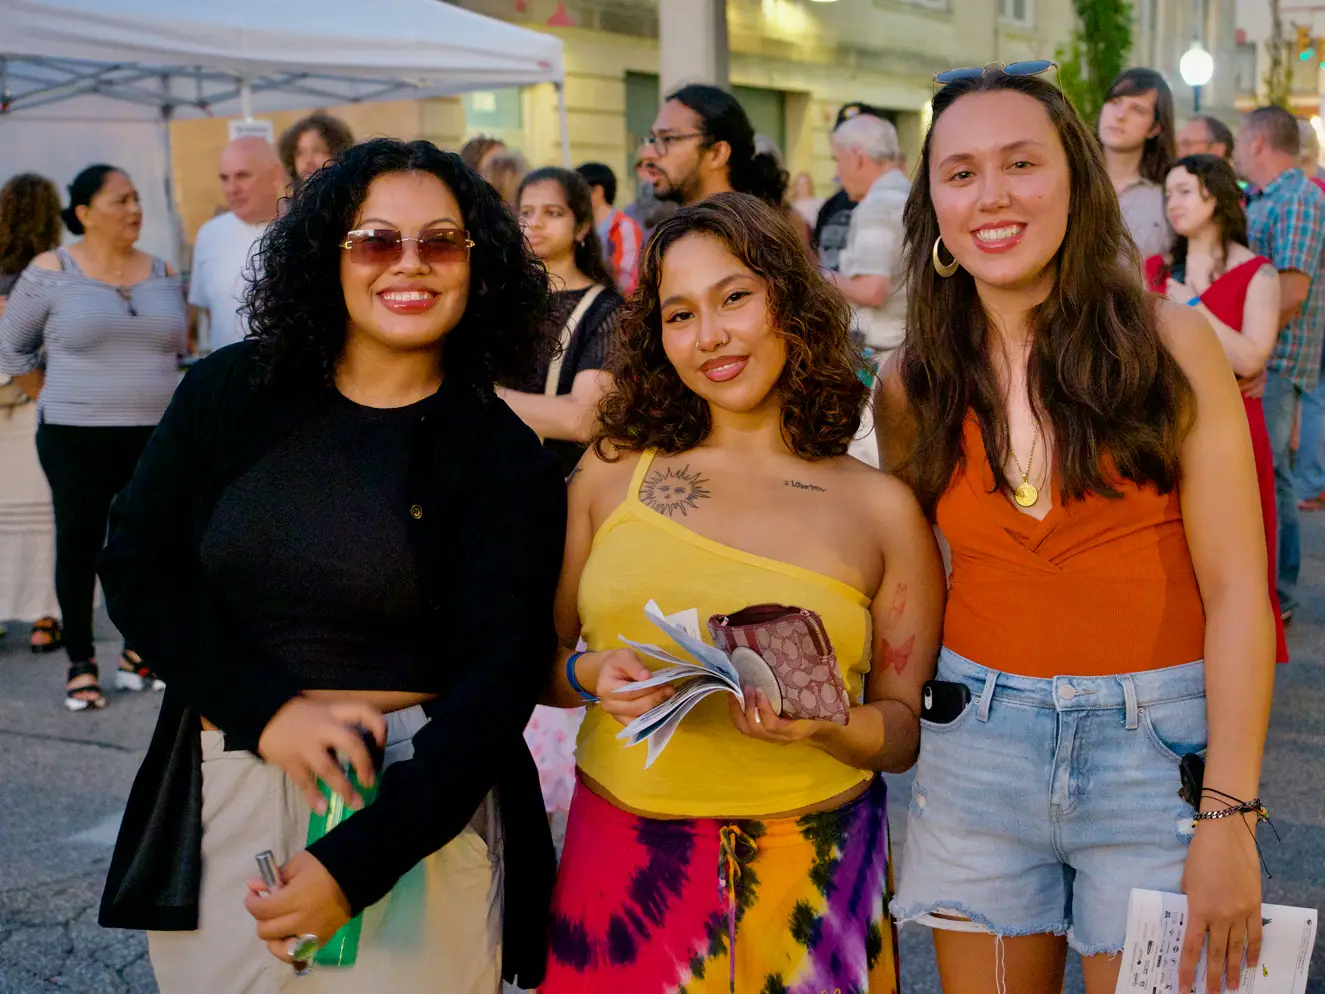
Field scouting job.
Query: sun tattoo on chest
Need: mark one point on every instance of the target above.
(669, 491)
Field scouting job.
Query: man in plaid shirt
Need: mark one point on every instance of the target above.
(1286, 224)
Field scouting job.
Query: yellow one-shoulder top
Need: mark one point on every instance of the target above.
(709, 769)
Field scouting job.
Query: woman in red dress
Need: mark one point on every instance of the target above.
(1213, 270)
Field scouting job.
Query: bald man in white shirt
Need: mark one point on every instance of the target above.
(252, 182)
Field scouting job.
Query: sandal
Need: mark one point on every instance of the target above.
(85, 696)
(46, 636)
(135, 675)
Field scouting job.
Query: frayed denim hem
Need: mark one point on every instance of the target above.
(1099, 949)
(902, 915)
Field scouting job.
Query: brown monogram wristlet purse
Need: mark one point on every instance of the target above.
(785, 652)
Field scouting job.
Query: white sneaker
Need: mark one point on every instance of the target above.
(124, 680)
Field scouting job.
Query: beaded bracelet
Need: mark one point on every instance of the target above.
(574, 683)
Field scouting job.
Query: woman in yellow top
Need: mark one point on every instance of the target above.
(720, 481)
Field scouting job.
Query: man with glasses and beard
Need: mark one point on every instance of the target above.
(702, 144)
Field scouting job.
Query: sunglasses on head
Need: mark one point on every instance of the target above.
(384, 246)
(1033, 67)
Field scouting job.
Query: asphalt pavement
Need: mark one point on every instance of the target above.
(64, 777)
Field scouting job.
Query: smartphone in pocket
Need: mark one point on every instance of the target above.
(942, 701)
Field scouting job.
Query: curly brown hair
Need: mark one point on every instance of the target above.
(29, 221)
(335, 133)
(820, 387)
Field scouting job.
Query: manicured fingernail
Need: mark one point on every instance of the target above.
(322, 805)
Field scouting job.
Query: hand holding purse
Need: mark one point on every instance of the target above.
(785, 652)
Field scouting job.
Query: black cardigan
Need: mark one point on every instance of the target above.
(487, 544)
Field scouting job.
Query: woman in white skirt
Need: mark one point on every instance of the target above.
(29, 226)
(338, 524)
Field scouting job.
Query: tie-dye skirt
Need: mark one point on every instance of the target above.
(652, 906)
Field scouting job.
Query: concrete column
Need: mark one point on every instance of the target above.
(692, 42)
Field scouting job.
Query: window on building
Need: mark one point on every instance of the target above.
(642, 99)
(1244, 68)
(766, 110)
(493, 110)
(931, 4)
(1017, 11)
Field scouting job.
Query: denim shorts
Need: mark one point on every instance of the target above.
(1047, 800)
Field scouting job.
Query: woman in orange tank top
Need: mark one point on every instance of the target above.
(1083, 449)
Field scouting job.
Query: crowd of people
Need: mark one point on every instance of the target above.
(1019, 436)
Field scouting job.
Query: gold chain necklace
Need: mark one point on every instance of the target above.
(1026, 494)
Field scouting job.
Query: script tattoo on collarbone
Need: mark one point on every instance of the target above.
(669, 491)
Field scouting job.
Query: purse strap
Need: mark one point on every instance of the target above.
(567, 333)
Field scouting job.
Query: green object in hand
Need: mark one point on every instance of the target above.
(342, 949)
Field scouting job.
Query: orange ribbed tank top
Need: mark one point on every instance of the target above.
(1100, 586)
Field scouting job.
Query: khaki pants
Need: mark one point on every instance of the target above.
(438, 930)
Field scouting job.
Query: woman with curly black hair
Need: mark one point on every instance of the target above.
(720, 481)
(337, 525)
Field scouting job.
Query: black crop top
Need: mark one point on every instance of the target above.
(308, 551)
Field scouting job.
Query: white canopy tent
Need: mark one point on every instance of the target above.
(112, 69)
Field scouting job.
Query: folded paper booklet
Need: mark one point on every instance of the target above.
(1157, 923)
(796, 670)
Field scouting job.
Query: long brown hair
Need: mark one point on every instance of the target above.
(1162, 147)
(821, 392)
(1220, 183)
(1097, 372)
(29, 221)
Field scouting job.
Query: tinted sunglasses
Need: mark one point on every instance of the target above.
(385, 246)
(1034, 67)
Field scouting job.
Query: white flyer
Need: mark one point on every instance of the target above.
(1157, 922)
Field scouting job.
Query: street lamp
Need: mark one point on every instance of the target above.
(1196, 67)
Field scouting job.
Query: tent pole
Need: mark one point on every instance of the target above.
(175, 245)
(565, 124)
(246, 98)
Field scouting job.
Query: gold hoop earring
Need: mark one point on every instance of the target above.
(944, 269)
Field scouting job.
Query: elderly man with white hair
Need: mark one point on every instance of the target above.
(869, 167)
(869, 269)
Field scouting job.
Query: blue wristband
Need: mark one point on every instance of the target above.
(575, 684)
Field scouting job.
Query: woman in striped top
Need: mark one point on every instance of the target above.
(94, 333)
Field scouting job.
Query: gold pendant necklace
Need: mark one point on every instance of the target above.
(1026, 493)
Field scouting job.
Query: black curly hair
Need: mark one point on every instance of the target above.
(296, 306)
